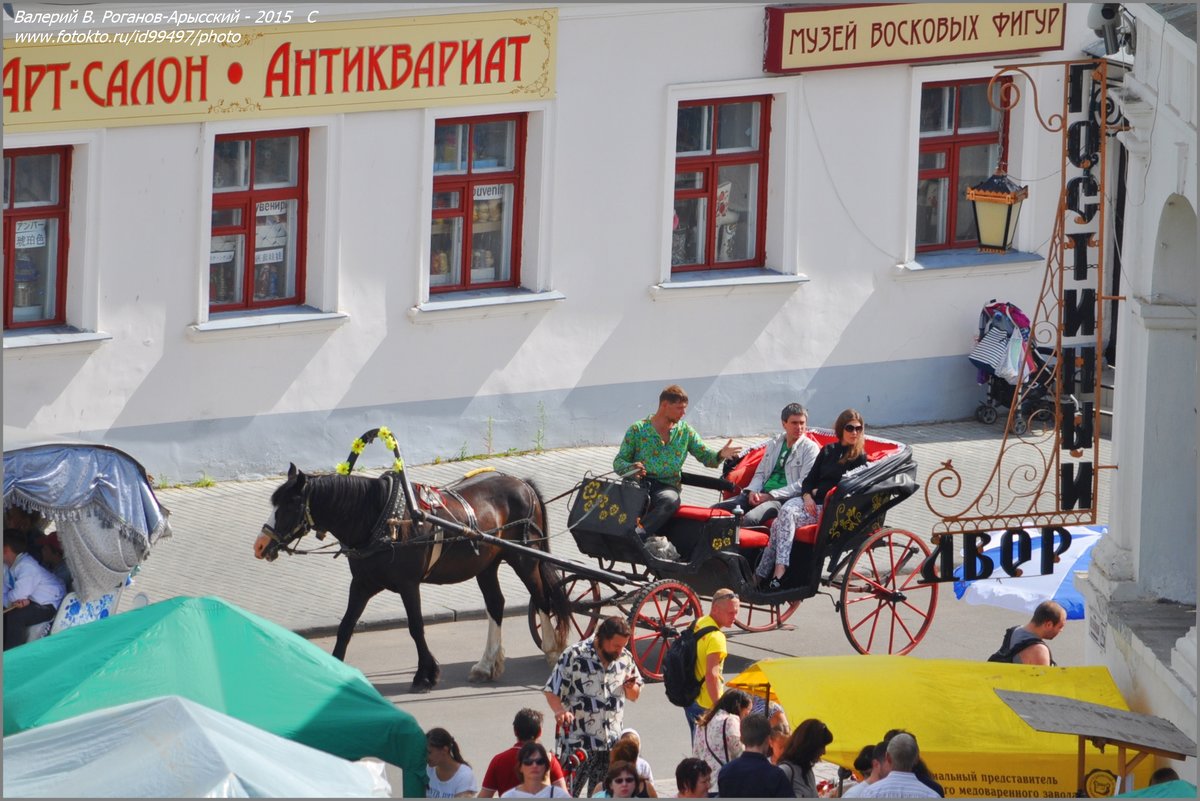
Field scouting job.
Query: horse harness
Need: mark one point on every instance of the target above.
(393, 527)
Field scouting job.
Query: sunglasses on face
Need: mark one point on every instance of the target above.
(535, 761)
(852, 427)
(624, 780)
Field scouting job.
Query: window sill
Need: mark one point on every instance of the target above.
(483, 303)
(54, 340)
(723, 282)
(967, 261)
(265, 323)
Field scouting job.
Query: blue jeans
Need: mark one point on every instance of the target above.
(693, 712)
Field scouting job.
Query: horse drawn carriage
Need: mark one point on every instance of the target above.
(99, 502)
(870, 572)
(465, 530)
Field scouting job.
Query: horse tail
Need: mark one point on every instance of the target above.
(552, 578)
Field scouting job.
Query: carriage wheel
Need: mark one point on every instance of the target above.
(764, 617)
(1020, 425)
(985, 414)
(884, 607)
(661, 610)
(583, 595)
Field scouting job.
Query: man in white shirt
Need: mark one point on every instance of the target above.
(898, 780)
(32, 593)
(784, 466)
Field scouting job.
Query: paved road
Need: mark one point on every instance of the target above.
(214, 529)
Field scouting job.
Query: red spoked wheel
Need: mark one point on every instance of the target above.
(661, 610)
(764, 617)
(885, 608)
(583, 595)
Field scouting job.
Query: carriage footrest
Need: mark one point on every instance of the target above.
(752, 538)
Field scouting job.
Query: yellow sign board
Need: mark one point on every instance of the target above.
(825, 37)
(100, 78)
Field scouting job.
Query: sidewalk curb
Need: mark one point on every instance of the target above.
(386, 624)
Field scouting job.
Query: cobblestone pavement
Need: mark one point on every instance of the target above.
(214, 530)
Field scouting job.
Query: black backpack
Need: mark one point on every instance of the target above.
(679, 666)
(1007, 651)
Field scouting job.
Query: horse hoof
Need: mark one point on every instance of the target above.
(420, 689)
(478, 676)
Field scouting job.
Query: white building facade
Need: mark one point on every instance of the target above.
(1141, 586)
(602, 236)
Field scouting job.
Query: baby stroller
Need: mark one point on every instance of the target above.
(1002, 343)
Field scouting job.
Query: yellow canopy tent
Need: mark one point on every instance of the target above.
(974, 744)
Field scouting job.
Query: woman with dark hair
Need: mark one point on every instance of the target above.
(533, 770)
(718, 736)
(834, 461)
(621, 781)
(804, 749)
(449, 774)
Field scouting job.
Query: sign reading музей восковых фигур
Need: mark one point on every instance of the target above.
(828, 37)
(110, 78)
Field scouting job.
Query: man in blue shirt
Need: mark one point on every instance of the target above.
(752, 775)
(31, 593)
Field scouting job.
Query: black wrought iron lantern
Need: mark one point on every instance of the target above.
(997, 203)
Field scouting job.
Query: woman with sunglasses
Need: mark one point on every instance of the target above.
(533, 770)
(621, 781)
(834, 461)
(450, 775)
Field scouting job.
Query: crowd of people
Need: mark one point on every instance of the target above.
(742, 746)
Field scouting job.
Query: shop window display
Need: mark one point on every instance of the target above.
(36, 204)
(720, 189)
(259, 198)
(477, 194)
(961, 140)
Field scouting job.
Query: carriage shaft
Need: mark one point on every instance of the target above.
(596, 573)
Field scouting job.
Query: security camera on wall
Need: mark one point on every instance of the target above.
(1109, 24)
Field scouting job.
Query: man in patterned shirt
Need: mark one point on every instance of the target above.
(654, 450)
(587, 691)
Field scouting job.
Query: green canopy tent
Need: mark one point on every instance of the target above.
(224, 657)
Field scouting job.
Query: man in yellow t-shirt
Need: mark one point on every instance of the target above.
(711, 651)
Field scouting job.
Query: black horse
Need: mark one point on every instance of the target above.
(386, 550)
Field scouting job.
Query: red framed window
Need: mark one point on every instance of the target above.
(260, 202)
(36, 199)
(478, 178)
(720, 183)
(961, 141)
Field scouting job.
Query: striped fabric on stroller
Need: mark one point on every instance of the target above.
(1001, 344)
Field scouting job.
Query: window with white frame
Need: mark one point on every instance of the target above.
(961, 137)
(478, 194)
(720, 183)
(257, 254)
(36, 203)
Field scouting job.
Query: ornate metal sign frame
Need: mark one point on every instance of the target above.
(1047, 472)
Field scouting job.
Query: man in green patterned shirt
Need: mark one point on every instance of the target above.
(654, 450)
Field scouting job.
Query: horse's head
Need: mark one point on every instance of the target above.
(290, 518)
